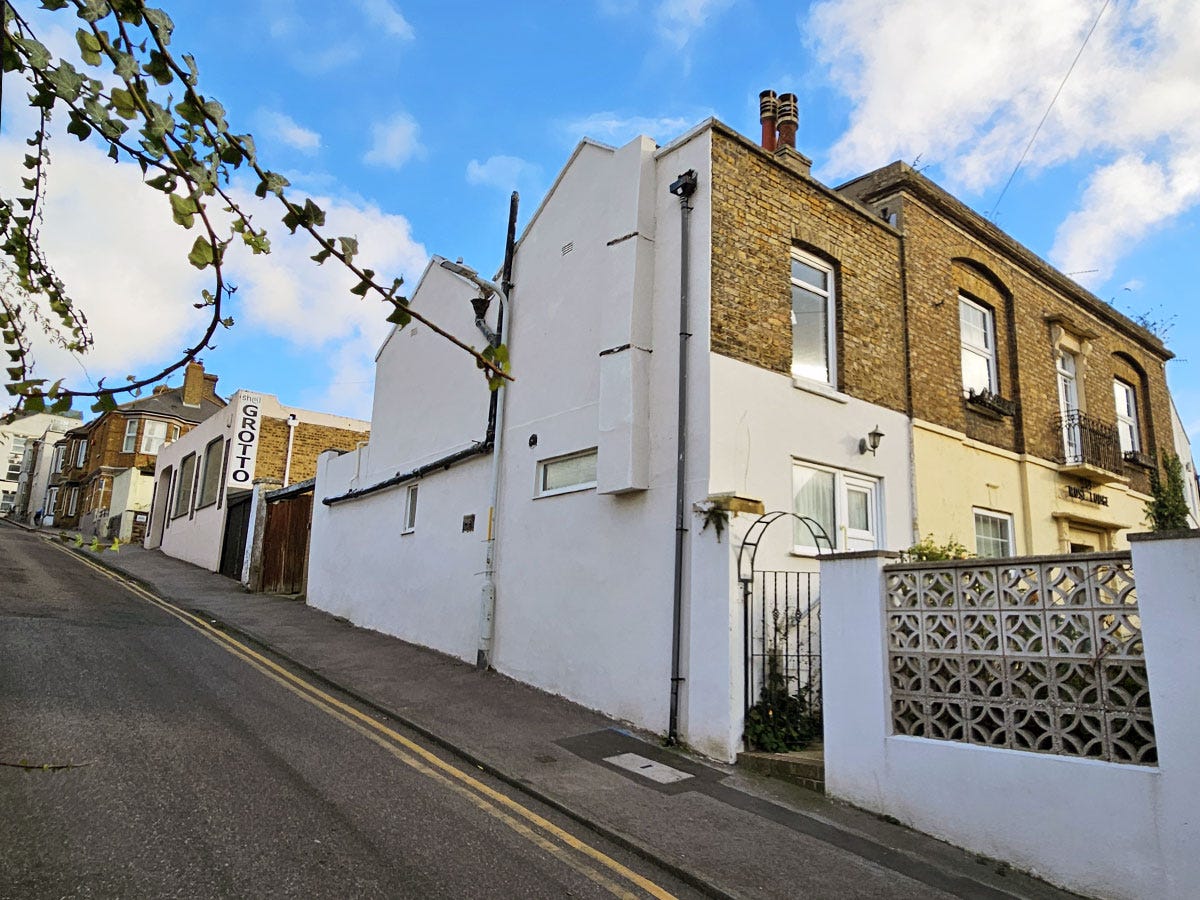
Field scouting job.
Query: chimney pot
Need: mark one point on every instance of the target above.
(789, 119)
(768, 108)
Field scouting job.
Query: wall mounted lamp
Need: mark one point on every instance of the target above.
(871, 441)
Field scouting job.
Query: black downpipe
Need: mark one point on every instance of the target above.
(489, 439)
(683, 187)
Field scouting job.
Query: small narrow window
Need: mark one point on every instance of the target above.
(210, 473)
(993, 534)
(576, 472)
(812, 318)
(153, 437)
(81, 453)
(183, 490)
(1127, 416)
(174, 433)
(56, 466)
(73, 501)
(410, 509)
(977, 332)
(130, 442)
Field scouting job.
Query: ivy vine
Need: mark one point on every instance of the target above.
(151, 112)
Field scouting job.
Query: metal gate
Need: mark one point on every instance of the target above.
(285, 544)
(233, 547)
(782, 626)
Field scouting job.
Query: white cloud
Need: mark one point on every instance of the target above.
(679, 20)
(394, 142)
(104, 235)
(1130, 110)
(383, 15)
(616, 129)
(504, 172)
(110, 239)
(289, 132)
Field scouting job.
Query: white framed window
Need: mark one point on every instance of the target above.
(183, 488)
(410, 510)
(563, 474)
(842, 505)
(813, 313)
(977, 334)
(81, 453)
(73, 501)
(16, 458)
(1125, 397)
(173, 433)
(51, 502)
(7, 500)
(210, 472)
(130, 443)
(153, 436)
(993, 533)
(56, 465)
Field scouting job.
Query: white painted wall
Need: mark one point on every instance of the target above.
(1100, 828)
(195, 536)
(1183, 449)
(131, 493)
(584, 579)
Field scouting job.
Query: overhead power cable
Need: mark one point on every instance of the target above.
(1046, 115)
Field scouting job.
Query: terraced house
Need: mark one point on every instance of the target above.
(103, 477)
(725, 370)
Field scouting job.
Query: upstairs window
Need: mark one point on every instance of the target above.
(153, 436)
(1125, 397)
(130, 442)
(56, 466)
(81, 453)
(812, 318)
(977, 333)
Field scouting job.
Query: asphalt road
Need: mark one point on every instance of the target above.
(192, 768)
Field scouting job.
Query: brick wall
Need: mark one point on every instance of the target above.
(309, 442)
(761, 210)
(1027, 312)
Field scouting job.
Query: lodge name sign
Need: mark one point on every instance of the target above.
(243, 454)
(1086, 495)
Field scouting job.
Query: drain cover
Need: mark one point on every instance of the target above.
(647, 768)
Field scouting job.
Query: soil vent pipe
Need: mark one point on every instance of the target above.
(683, 187)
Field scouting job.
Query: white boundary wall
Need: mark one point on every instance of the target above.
(1103, 829)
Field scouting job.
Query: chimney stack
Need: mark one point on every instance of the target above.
(193, 384)
(788, 120)
(768, 108)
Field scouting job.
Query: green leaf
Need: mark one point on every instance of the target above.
(202, 253)
(89, 45)
(159, 21)
(321, 256)
(272, 182)
(79, 128)
(35, 404)
(399, 317)
(123, 103)
(183, 210)
(349, 247)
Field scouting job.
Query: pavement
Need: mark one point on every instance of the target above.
(725, 832)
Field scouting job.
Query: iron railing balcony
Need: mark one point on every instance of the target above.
(1091, 448)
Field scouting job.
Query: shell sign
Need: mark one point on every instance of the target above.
(247, 420)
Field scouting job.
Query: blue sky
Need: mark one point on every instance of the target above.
(413, 121)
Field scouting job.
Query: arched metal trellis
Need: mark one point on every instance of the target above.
(787, 606)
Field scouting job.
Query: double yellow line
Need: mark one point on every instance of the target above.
(602, 869)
